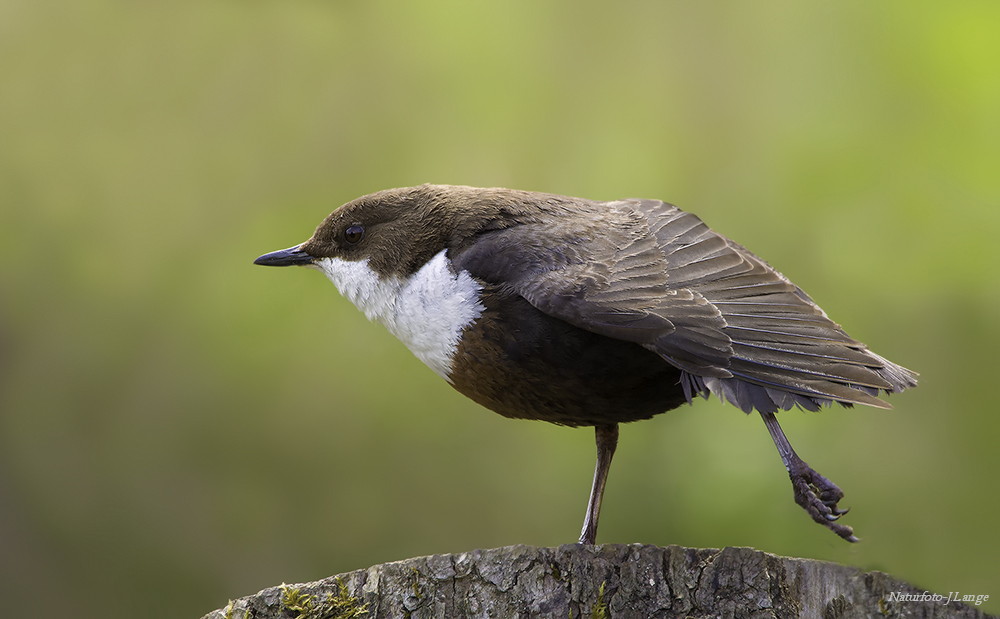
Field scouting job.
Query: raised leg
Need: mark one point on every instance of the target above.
(815, 493)
(607, 441)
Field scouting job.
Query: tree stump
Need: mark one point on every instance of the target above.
(575, 581)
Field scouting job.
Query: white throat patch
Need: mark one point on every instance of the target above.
(427, 312)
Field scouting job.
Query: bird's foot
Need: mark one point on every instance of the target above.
(819, 496)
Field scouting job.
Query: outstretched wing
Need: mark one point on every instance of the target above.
(647, 272)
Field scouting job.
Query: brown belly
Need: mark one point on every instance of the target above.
(522, 363)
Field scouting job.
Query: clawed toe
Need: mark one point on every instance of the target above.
(816, 494)
(819, 497)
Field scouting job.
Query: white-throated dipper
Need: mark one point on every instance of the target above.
(585, 313)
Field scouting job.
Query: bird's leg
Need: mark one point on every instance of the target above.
(607, 440)
(813, 492)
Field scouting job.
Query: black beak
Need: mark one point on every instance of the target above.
(285, 258)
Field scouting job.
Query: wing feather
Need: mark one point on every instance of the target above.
(644, 271)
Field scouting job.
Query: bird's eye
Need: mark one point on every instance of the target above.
(354, 233)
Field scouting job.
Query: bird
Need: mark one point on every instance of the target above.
(594, 313)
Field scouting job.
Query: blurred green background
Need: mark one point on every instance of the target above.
(178, 427)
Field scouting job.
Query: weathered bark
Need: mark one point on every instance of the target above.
(598, 581)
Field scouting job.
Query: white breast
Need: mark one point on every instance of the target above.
(427, 312)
